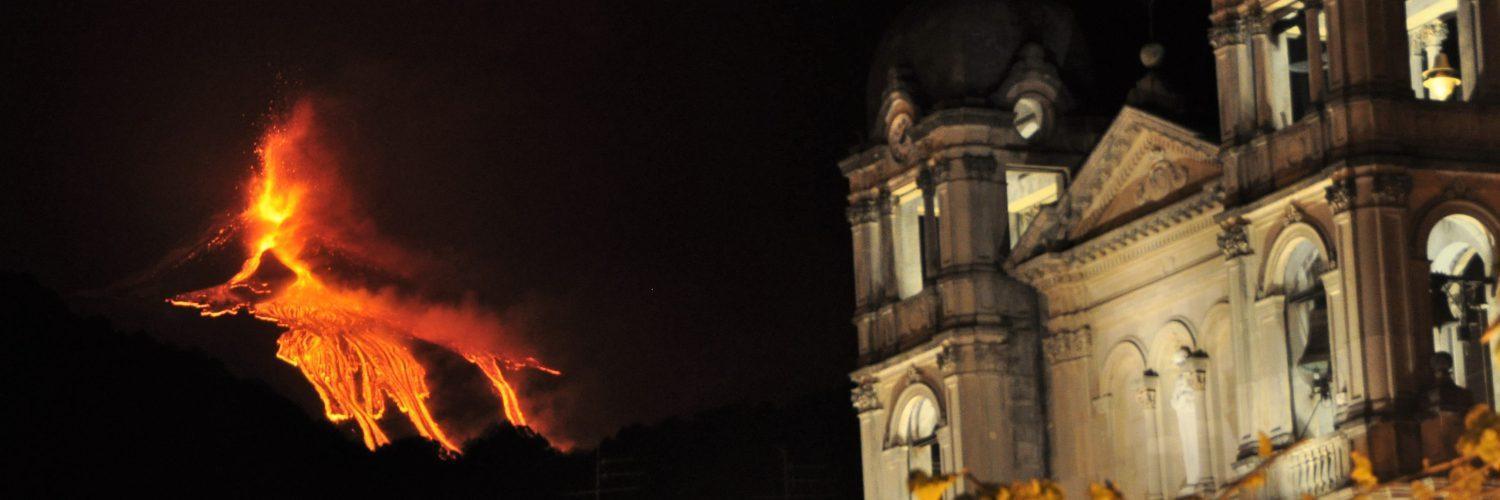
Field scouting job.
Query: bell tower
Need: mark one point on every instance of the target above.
(976, 130)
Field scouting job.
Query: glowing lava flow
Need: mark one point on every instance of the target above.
(352, 345)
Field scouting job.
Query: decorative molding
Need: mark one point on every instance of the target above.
(1457, 190)
(862, 212)
(1146, 394)
(1292, 215)
(1431, 35)
(864, 397)
(1234, 241)
(1340, 195)
(1390, 189)
(1067, 346)
(1225, 35)
(1163, 178)
(972, 357)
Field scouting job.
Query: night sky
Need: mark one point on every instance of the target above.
(648, 192)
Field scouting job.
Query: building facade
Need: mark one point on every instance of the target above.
(1045, 291)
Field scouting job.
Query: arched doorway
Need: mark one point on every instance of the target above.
(1461, 252)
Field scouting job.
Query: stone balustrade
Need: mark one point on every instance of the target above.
(1315, 467)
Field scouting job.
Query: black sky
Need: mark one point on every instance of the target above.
(652, 187)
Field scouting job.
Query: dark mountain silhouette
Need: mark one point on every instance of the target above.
(91, 410)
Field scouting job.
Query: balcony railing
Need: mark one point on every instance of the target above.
(1313, 467)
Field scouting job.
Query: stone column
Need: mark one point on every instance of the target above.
(1146, 395)
(871, 426)
(1429, 39)
(1387, 353)
(972, 203)
(889, 285)
(1067, 355)
(1235, 78)
(931, 243)
(1431, 36)
(864, 224)
(1271, 383)
(1234, 242)
(1479, 64)
(1258, 32)
(1366, 47)
(1314, 34)
(1417, 62)
(977, 400)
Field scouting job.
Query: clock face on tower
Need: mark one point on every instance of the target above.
(1031, 117)
(898, 135)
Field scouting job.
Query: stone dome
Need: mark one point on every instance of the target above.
(953, 53)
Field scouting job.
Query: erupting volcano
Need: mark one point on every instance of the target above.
(354, 346)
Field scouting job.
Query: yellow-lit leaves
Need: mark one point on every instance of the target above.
(1106, 491)
(1421, 491)
(1481, 437)
(1035, 489)
(924, 487)
(1363, 474)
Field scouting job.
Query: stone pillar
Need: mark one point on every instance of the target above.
(1366, 47)
(1316, 85)
(1431, 36)
(931, 242)
(1416, 62)
(1146, 395)
(1271, 382)
(871, 435)
(971, 201)
(1235, 78)
(1067, 355)
(1258, 32)
(864, 224)
(1234, 242)
(1429, 40)
(977, 398)
(1479, 65)
(1388, 353)
(890, 290)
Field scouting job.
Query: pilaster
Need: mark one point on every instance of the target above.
(1380, 417)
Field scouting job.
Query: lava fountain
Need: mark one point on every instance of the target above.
(353, 345)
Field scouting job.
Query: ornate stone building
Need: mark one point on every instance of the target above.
(1045, 291)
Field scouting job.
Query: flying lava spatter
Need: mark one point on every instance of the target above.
(353, 346)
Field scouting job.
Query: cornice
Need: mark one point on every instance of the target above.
(1116, 246)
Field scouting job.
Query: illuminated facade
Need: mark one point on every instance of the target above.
(1044, 293)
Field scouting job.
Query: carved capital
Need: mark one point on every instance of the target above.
(1146, 394)
(862, 212)
(1457, 190)
(972, 357)
(1432, 35)
(1225, 35)
(1234, 241)
(1390, 189)
(1067, 346)
(863, 396)
(1340, 195)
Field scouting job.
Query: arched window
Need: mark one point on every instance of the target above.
(1308, 349)
(1463, 299)
(917, 429)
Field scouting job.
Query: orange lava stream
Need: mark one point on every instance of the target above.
(353, 349)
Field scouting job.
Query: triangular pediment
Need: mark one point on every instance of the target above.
(1141, 164)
